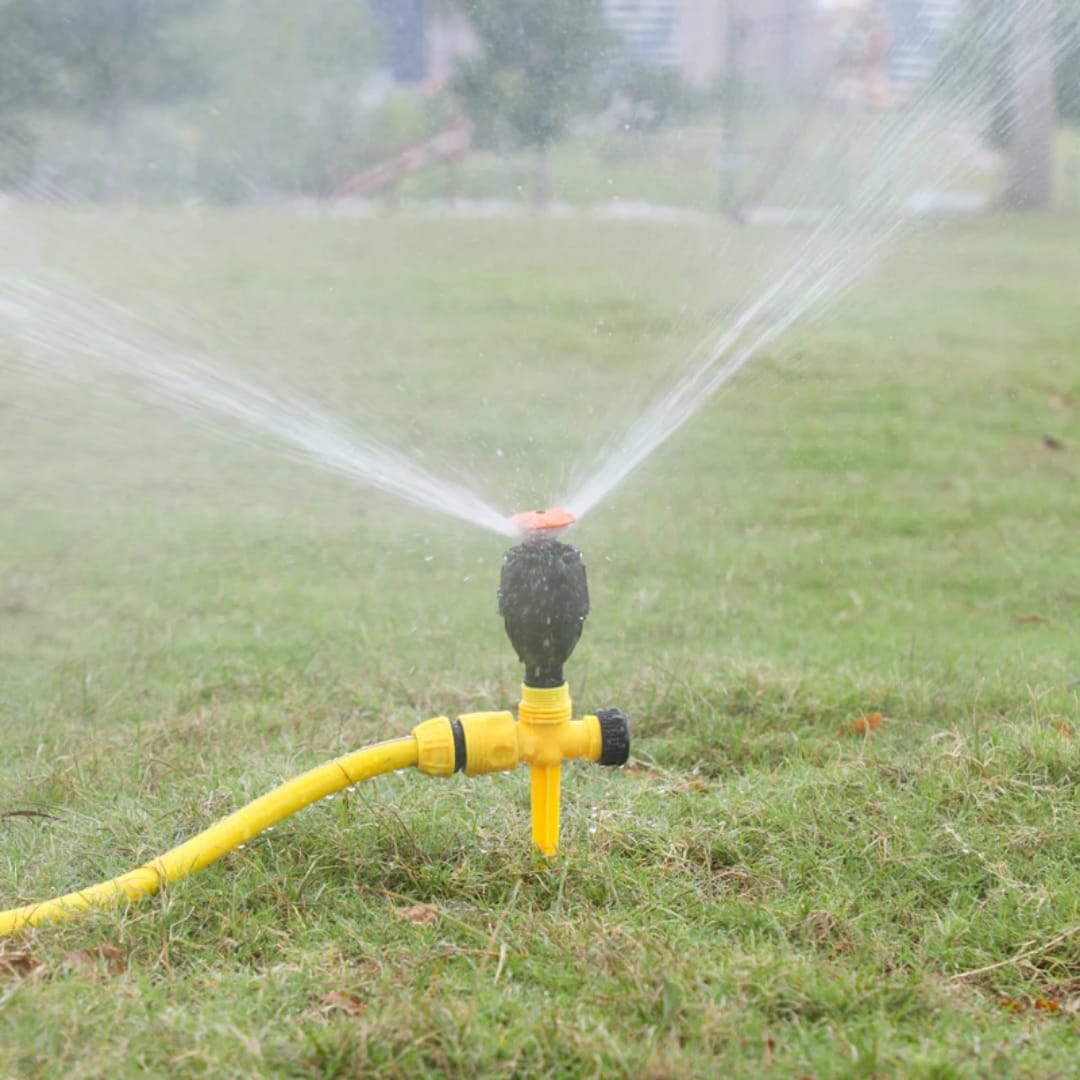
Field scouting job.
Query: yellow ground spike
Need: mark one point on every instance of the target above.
(545, 783)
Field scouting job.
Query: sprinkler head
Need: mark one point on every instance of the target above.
(542, 524)
(543, 597)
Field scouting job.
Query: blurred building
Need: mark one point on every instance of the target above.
(868, 50)
(648, 28)
(919, 28)
(918, 32)
(862, 49)
(774, 43)
(422, 46)
(404, 24)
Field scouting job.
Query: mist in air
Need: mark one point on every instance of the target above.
(827, 130)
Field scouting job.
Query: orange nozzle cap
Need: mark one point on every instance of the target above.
(531, 521)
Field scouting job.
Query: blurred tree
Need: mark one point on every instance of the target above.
(534, 72)
(1030, 182)
(287, 112)
(19, 87)
(1012, 56)
(101, 59)
(1067, 50)
(104, 57)
(650, 96)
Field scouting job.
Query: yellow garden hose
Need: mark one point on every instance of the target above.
(227, 835)
(478, 743)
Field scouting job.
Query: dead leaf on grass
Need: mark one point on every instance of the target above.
(639, 770)
(768, 1051)
(417, 913)
(1039, 1004)
(342, 1001)
(1066, 730)
(863, 726)
(19, 964)
(106, 958)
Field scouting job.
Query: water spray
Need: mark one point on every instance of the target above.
(543, 600)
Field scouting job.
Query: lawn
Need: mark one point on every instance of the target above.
(816, 156)
(879, 519)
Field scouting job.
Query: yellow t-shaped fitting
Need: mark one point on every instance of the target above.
(547, 735)
(544, 736)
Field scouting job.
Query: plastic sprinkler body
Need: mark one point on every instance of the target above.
(544, 599)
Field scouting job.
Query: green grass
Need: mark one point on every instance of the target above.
(810, 158)
(869, 520)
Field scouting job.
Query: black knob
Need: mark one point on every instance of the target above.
(614, 737)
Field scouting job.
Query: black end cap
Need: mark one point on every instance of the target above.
(614, 737)
(461, 756)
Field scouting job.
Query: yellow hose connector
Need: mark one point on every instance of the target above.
(475, 743)
(227, 835)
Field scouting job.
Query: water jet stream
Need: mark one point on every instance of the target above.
(66, 332)
(69, 334)
(840, 251)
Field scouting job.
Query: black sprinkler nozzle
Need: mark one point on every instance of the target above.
(543, 599)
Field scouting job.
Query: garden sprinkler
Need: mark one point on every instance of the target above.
(543, 599)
